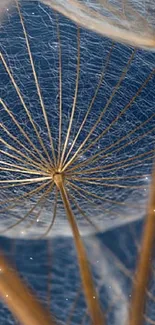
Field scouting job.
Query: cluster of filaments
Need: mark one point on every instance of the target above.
(65, 168)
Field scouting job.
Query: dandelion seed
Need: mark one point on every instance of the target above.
(79, 156)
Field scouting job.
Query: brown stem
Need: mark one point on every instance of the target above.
(144, 263)
(86, 276)
(19, 299)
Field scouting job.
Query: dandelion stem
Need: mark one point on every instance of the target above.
(86, 277)
(144, 263)
(19, 299)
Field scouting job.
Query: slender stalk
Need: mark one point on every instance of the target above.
(19, 299)
(86, 276)
(144, 264)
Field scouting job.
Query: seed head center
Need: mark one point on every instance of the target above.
(58, 179)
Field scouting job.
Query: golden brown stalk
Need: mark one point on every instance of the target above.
(19, 299)
(144, 263)
(95, 311)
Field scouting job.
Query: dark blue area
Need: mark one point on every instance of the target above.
(32, 260)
